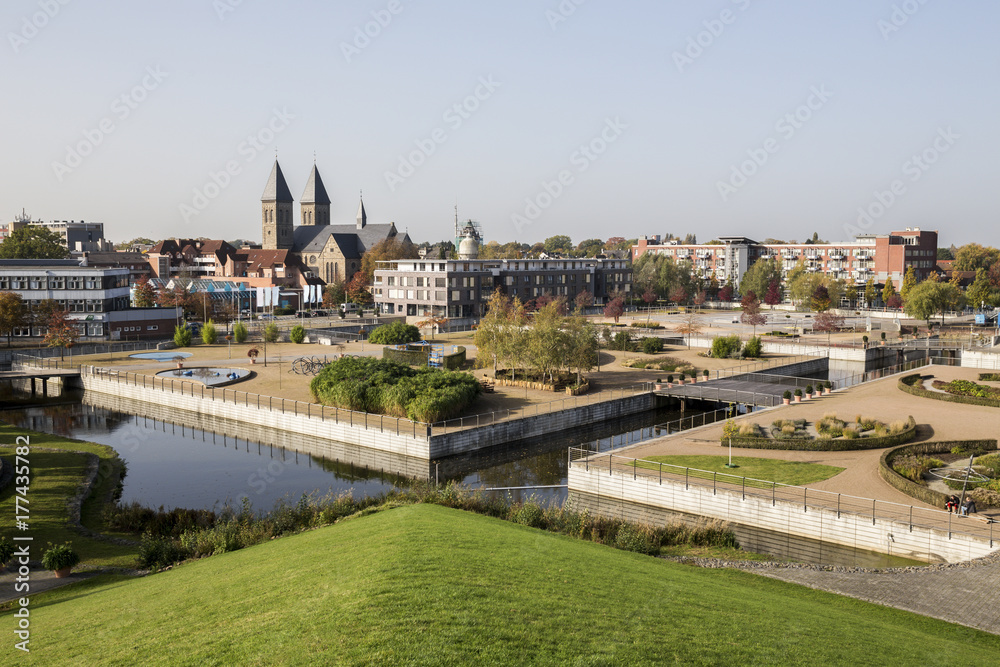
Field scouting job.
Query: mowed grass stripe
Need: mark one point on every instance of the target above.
(762, 471)
(424, 584)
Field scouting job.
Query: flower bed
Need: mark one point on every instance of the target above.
(921, 492)
(791, 435)
(914, 385)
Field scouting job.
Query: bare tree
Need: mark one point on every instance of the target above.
(690, 325)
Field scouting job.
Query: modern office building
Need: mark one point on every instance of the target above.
(96, 299)
(76, 236)
(877, 256)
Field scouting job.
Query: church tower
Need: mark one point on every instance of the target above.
(315, 204)
(276, 212)
(362, 215)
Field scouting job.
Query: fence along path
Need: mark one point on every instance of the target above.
(366, 420)
(976, 527)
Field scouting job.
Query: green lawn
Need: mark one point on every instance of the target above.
(795, 473)
(424, 584)
(55, 477)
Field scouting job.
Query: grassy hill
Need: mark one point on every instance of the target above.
(424, 584)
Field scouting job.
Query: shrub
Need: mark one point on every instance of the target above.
(297, 334)
(528, 514)
(157, 551)
(670, 379)
(985, 497)
(209, 333)
(798, 392)
(638, 539)
(59, 557)
(284, 310)
(386, 387)
(182, 336)
(850, 433)
(652, 345)
(989, 377)
(394, 333)
(750, 430)
(622, 340)
(788, 430)
(809, 389)
(753, 348)
(6, 550)
(787, 395)
(914, 466)
(271, 332)
(240, 332)
(724, 347)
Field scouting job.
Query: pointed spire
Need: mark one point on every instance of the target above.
(362, 215)
(315, 192)
(276, 189)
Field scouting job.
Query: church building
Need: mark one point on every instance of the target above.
(329, 252)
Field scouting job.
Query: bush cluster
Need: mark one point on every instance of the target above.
(652, 345)
(725, 347)
(240, 332)
(914, 384)
(379, 386)
(968, 388)
(297, 334)
(234, 529)
(394, 333)
(182, 336)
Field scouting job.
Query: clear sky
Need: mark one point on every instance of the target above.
(724, 117)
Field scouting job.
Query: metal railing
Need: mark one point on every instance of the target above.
(487, 418)
(370, 421)
(57, 357)
(914, 517)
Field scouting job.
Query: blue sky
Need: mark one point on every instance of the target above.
(595, 119)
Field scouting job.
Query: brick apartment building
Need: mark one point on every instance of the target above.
(877, 256)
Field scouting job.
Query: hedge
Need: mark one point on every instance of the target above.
(918, 491)
(914, 384)
(823, 445)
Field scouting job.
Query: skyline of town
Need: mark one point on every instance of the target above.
(722, 119)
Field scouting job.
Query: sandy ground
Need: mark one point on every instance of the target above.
(880, 399)
(277, 378)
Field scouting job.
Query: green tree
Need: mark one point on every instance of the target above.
(980, 291)
(558, 244)
(209, 333)
(297, 334)
(909, 282)
(931, 297)
(759, 277)
(972, 257)
(182, 336)
(547, 344)
(888, 291)
(589, 248)
(33, 242)
(851, 294)
(870, 292)
(820, 299)
(13, 313)
(240, 332)
(271, 332)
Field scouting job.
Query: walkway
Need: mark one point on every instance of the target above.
(964, 593)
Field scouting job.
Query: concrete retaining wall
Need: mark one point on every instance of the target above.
(407, 444)
(459, 442)
(782, 517)
(984, 360)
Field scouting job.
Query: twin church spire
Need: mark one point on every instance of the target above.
(277, 203)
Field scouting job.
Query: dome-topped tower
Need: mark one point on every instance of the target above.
(468, 247)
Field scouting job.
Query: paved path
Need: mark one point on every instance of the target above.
(967, 593)
(39, 581)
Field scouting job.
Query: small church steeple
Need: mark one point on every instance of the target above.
(362, 215)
